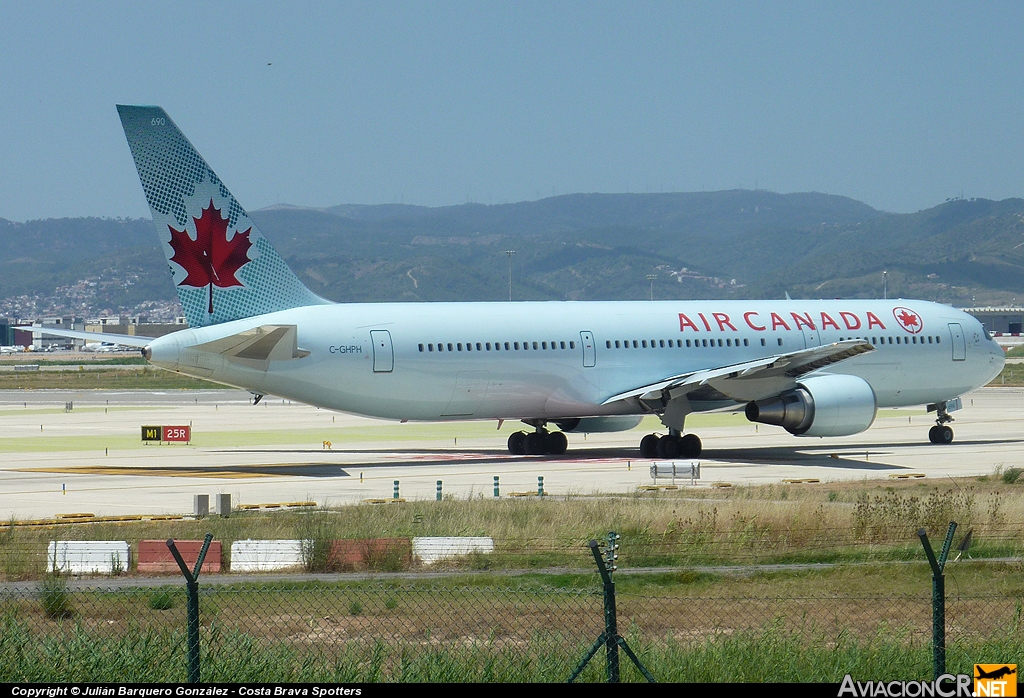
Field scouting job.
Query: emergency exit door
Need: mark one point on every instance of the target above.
(589, 351)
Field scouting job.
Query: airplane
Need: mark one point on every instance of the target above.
(10, 349)
(813, 367)
(100, 347)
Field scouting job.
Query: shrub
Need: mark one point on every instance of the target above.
(56, 599)
(161, 600)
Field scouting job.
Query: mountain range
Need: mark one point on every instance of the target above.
(727, 244)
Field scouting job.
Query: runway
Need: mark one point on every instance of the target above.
(91, 458)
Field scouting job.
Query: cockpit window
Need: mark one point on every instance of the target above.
(985, 330)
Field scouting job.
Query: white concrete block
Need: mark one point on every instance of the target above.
(264, 555)
(430, 550)
(88, 556)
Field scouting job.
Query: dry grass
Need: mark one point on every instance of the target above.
(868, 520)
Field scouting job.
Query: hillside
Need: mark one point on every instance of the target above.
(581, 246)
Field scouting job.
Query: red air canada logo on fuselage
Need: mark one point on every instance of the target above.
(908, 320)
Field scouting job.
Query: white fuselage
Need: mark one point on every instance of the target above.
(549, 360)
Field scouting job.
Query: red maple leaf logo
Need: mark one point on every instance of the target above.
(211, 259)
(908, 319)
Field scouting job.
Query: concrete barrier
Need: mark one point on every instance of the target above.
(381, 554)
(265, 555)
(431, 550)
(155, 556)
(88, 556)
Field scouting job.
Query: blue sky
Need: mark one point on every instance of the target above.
(900, 105)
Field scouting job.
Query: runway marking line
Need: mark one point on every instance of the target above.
(159, 472)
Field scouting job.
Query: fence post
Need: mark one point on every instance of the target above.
(610, 638)
(938, 597)
(192, 608)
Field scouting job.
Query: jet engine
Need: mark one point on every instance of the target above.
(831, 405)
(594, 425)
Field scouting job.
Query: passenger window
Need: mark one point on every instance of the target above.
(572, 345)
(430, 347)
(535, 345)
(421, 348)
(762, 341)
(517, 346)
(562, 344)
(780, 341)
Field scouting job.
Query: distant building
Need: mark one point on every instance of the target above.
(999, 321)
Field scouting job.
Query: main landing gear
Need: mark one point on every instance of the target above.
(672, 445)
(941, 433)
(538, 443)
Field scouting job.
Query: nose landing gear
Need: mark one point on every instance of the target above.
(941, 433)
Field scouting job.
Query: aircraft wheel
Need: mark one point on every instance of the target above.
(649, 446)
(517, 443)
(557, 443)
(668, 447)
(690, 446)
(945, 435)
(537, 443)
(933, 434)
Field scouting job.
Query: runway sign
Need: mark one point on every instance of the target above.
(151, 433)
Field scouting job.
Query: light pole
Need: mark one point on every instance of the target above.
(651, 278)
(885, 285)
(510, 253)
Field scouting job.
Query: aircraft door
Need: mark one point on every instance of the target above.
(959, 343)
(811, 338)
(589, 350)
(383, 352)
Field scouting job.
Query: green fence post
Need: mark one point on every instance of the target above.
(938, 597)
(192, 607)
(610, 638)
(439, 490)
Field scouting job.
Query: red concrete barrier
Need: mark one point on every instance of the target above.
(155, 556)
(381, 554)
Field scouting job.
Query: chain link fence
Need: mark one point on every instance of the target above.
(414, 632)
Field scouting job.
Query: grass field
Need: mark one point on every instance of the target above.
(807, 523)
(714, 613)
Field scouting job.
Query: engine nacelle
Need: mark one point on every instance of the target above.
(834, 405)
(595, 425)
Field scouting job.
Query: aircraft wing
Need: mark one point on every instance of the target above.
(750, 380)
(109, 338)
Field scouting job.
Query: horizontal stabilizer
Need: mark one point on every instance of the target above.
(103, 337)
(259, 346)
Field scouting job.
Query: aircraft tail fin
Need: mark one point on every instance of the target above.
(222, 266)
